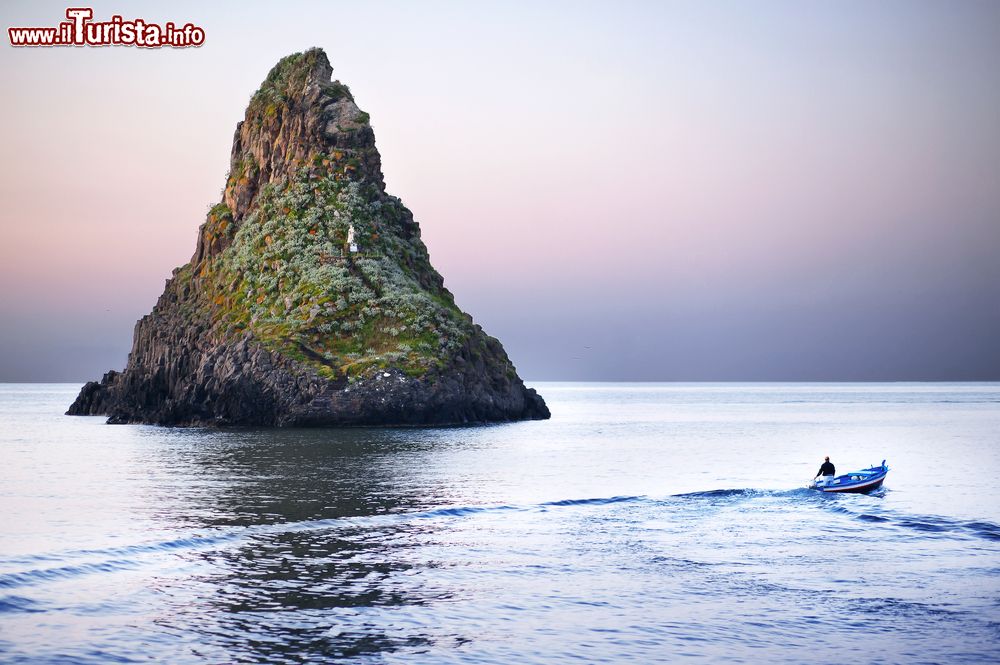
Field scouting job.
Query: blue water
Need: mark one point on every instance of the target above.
(643, 523)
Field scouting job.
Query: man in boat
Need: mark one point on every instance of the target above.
(826, 469)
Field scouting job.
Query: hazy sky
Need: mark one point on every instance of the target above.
(619, 190)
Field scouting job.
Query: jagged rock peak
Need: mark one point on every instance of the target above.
(297, 117)
(310, 299)
(296, 73)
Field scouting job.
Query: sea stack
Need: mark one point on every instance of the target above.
(310, 299)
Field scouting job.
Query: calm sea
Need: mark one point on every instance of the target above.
(643, 523)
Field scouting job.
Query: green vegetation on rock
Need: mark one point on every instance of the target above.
(289, 278)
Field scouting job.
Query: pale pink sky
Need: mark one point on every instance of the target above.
(638, 190)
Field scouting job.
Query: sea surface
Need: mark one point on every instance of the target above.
(643, 523)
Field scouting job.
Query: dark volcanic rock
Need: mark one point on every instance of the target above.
(310, 299)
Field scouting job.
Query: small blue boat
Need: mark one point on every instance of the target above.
(862, 481)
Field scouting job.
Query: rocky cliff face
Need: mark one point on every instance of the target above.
(310, 299)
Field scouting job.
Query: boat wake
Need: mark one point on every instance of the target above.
(926, 524)
(863, 508)
(27, 570)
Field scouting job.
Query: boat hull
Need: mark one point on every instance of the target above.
(855, 489)
(856, 482)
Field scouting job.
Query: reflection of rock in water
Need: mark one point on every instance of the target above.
(289, 476)
(315, 510)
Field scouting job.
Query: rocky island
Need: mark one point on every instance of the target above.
(310, 299)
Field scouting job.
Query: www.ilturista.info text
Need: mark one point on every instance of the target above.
(80, 30)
